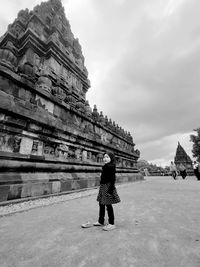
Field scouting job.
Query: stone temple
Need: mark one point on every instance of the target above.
(51, 141)
(182, 157)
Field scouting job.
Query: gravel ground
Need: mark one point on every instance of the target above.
(31, 204)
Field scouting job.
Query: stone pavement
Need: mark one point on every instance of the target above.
(158, 224)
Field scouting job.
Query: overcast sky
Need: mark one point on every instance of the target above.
(143, 58)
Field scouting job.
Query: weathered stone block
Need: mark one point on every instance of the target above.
(91, 183)
(66, 186)
(83, 183)
(26, 145)
(34, 177)
(10, 178)
(57, 111)
(47, 188)
(56, 187)
(75, 185)
(4, 191)
(35, 189)
(15, 191)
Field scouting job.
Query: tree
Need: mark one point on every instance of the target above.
(153, 169)
(196, 144)
(142, 164)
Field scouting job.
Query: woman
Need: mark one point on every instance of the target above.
(107, 192)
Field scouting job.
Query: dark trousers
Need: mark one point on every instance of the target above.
(183, 174)
(174, 174)
(197, 174)
(102, 214)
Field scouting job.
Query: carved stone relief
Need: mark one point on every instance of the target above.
(10, 143)
(44, 82)
(84, 155)
(23, 15)
(7, 56)
(71, 153)
(59, 93)
(50, 150)
(63, 151)
(37, 148)
(46, 104)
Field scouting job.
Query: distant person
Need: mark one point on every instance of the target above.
(173, 170)
(107, 194)
(196, 170)
(146, 172)
(182, 170)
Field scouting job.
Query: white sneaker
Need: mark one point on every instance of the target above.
(109, 227)
(86, 225)
(98, 224)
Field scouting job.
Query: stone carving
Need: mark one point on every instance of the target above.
(44, 82)
(59, 93)
(71, 153)
(15, 142)
(35, 147)
(88, 128)
(95, 113)
(10, 143)
(137, 152)
(55, 38)
(63, 151)
(69, 99)
(23, 15)
(27, 70)
(77, 48)
(15, 29)
(50, 150)
(99, 157)
(7, 55)
(88, 109)
(3, 142)
(37, 27)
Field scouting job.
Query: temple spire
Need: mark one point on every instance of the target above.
(182, 157)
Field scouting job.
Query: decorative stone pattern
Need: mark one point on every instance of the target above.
(50, 138)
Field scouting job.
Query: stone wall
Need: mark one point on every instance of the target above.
(50, 139)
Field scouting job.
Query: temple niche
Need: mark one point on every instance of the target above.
(182, 157)
(51, 140)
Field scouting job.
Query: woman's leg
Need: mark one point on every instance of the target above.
(174, 175)
(198, 176)
(196, 173)
(182, 173)
(101, 213)
(110, 214)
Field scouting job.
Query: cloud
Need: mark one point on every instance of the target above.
(155, 75)
(143, 59)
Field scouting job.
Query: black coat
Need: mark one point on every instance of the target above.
(108, 176)
(107, 192)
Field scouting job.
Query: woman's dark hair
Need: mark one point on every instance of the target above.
(112, 157)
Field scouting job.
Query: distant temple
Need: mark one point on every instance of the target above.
(182, 157)
(51, 141)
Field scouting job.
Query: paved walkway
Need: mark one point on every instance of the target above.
(158, 224)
